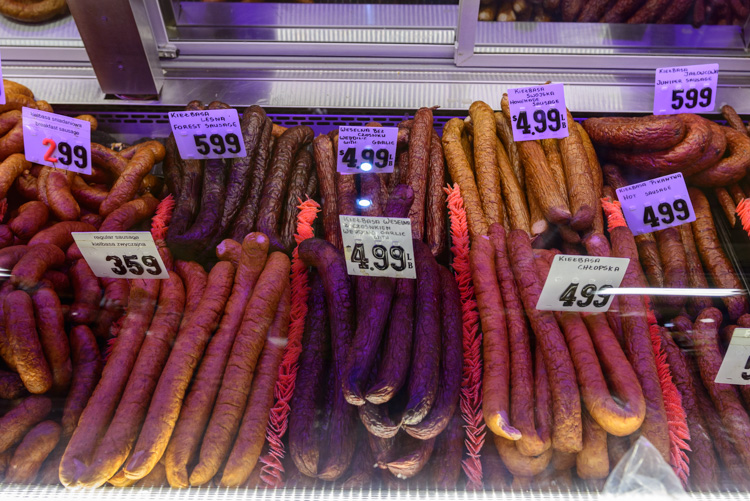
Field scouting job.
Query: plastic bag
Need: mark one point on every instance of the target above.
(642, 470)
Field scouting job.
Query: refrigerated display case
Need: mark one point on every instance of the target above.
(333, 385)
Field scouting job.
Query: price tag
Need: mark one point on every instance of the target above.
(121, 254)
(366, 149)
(685, 89)
(378, 246)
(656, 204)
(2, 87)
(56, 140)
(735, 369)
(575, 283)
(208, 133)
(538, 112)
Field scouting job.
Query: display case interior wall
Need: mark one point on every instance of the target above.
(562, 478)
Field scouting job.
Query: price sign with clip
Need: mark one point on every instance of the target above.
(735, 368)
(205, 134)
(56, 140)
(366, 149)
(121, 254)
(685, 89)
(656, 204)
(577, 283)
(378, 246)
(538, 112)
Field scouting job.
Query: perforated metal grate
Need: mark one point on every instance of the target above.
(129, 126)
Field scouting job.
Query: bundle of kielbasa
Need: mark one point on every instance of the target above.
(176, 381)
(229, 198)
(55, 314)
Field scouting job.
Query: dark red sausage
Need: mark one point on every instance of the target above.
(567, 434)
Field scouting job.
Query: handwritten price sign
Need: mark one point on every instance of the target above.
(366, 149)
(121, 254)
(685, 89)
(56, 140)
(538, 112)
(207, 134)
(576, 283)
(656, 204)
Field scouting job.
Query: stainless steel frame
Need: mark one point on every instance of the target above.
(120, 45)
(48, 43)
(398, 57)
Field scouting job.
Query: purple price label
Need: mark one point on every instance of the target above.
(203, 134)
(538, 112)
(366, 149)
(656, 204)
(56, 140)
(685, 89)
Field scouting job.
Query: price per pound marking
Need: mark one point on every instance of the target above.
(735, 368)
(538, 112)
(692, 99)
(541, 119)
(380, 257)
(121, 254)
(208, 134)
(579, 283)
(369, 158)
(378, 246)
(587, 293)
(677, 210)
(682, 89)
(68, 155)
(746, 373)
(56, 140)
(656, 204)
(366, 149)
(219, 142)
(125, 264)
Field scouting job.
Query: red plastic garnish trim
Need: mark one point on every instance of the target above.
(743, 210)
(613, 211)
(471, 378)
(676, 417)
(160, 221)
(272, 472)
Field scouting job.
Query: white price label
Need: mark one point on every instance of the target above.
(378, 246)
(576, 283)
(56, 140)
(205, 134)
(538, 112)
(121, 254)
(366, 149)
(685, 89)
(656, 204)
(735, 369)
(2, 87)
